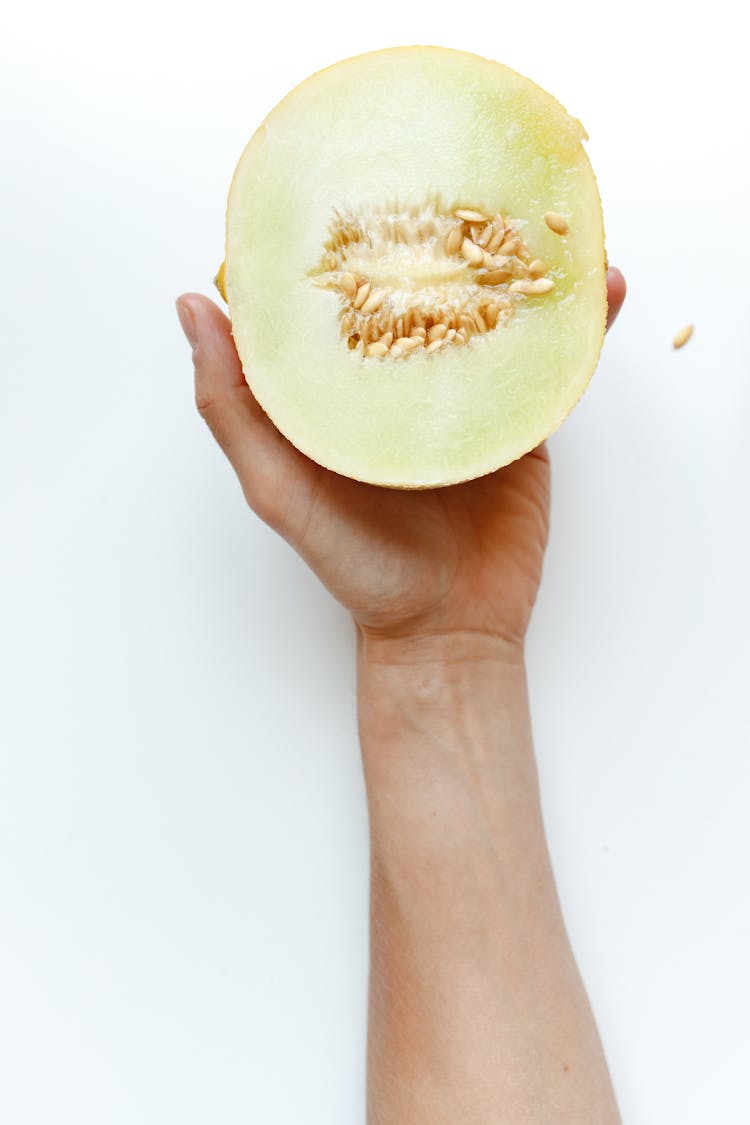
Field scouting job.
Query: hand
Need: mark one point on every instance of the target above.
(444, 561)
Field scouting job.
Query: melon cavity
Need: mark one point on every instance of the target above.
(427, 278)
(415, 266)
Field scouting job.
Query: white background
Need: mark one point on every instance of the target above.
(183, 848)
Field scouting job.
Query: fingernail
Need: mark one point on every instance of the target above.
(187, 320)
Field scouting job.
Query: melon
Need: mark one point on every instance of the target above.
(415, 266)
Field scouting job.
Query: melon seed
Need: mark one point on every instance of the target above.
(362, 294)
(556, 222)
(473, 253)
(682, 337)
(454, 240)
(533, 288)
(373, 302)
(469, 216)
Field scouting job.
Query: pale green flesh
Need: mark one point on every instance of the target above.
(397, 127)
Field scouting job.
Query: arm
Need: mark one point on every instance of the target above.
(477, 1012)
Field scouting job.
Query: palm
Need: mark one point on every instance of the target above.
(468, 557)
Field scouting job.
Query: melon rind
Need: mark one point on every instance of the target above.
(400, 127)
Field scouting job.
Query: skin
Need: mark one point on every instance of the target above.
(477, 1011)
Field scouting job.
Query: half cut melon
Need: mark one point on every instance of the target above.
(415, 266)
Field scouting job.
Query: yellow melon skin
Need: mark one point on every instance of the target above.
(397, 127)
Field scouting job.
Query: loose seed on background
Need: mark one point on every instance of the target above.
(683, 336)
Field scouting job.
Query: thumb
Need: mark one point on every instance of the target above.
(262, 458)
(222, 395)
(616, 289)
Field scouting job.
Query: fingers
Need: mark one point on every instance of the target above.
(616, 289)
(245, 433)
(221, 393)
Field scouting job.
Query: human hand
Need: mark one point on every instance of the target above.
(406, 564)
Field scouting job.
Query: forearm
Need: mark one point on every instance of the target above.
(477, 1011)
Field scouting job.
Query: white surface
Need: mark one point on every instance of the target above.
(183, 852)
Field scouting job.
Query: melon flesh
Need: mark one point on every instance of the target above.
(392, 133)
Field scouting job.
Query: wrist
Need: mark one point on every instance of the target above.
(445, 735)
(438, 682)
(459, 648)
